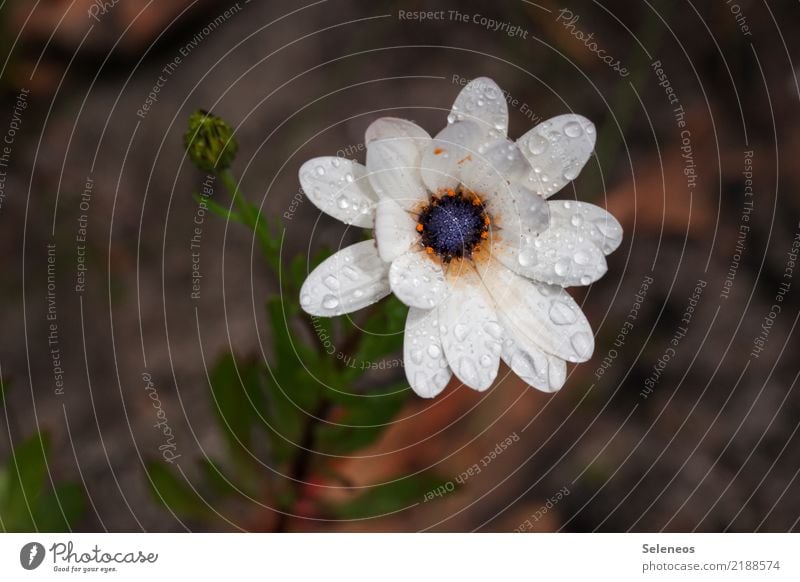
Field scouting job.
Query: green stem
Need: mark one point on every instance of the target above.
(252, 218)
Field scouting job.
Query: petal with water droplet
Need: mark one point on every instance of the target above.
(518, 212)
(527, 360)
(468, 333)
(497, 163)
(395, 230)
(590, 221)
(526, 308)
(339, 187)
(558, 256)
(448, 151)
(418, 280)
(557, 150)
(483, 101)
(393, 170)
(353, 278)
(424, 360)
(394, 127)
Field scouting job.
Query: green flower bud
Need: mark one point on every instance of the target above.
(210, 142)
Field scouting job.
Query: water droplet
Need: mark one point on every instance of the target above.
(416, 356)
(330, 302)
(320, 170)
(335, 162)
(467, 370)
(573, 129)
(358, 293)
(460, 331)
(586, 280)
(350, 273)
(349, 177)
(486, 360)
(342, 202)
(331, 282)
(562, 314)
(582, 343)
(305, 299)
(526, 257)
(494, 329)
(576, 220)
(561, 267)
(451, 118)
(571, 171)
(434, 351)
(581, 258)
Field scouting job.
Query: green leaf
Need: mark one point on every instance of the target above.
(235, 392)
(26, 474)
(58, 511)
(175, 493)
(389, 497)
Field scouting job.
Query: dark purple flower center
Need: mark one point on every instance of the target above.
(453, 225)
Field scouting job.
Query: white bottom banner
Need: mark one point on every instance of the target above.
(371, 557)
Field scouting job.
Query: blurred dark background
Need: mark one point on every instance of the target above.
(700, 437)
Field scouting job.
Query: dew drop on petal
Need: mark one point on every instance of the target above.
(350, 273)
(434, 351)
(320, 170)
(485, 360)
(582, 343)
(342, 202)
(493, 329)
(331, 282)
(581, 258)
(416, 356)
(305, 299)
(586, 280)
(561, 267)
(467, 369)
(561, 314)
(460, 331)
(573, 129)
(330, 302)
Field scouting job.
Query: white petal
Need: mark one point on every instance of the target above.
(353, 278)
(483, 101)
(393, 170)
(557, 150)
(395, 230)
(418, 280)
(449, 150)
(393, 127)
(518, 212)
(423, 356)
(339, 187)
(541, 370)
(558, 256)
(592, 222)
(470, 332)
(496, 163)
(541, 315)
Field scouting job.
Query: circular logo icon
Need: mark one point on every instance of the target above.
(31, 555)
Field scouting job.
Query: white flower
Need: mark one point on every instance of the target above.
(465, 237)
